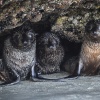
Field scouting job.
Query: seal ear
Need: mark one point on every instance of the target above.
(90, 26)
(15, 37)
(36, 34)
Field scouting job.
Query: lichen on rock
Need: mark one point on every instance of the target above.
(72, 24)
(66, 18)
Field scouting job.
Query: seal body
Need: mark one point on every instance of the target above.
(50, 53)
(89, 63)
(19, 52)
(70, 64)
(90, 57)
(21, 61)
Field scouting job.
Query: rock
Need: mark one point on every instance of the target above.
(65, 17)
(72, 24)
(15, 13)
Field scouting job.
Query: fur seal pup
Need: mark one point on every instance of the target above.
(19, 54)
(89, 62)
(50, 53)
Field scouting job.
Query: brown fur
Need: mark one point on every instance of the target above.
(90, 52)
(90, 56)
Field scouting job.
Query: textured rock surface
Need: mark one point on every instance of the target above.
(14, 13)
(84, 88)
(71, 24)
(66, 17)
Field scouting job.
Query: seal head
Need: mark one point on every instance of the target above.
(92, 29)
(23, 39)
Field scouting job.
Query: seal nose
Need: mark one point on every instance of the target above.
(97, 31)
(25, 42)
(52, 46)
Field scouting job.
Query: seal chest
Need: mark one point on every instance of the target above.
(90, 56)
(19, 60)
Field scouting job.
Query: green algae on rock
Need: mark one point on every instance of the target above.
(66, 17)
(15, 13)
(72, 24)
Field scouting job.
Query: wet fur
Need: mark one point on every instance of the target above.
(89, 63)
(70, 64)
(19, 58)
(90, 56)
(50, 53)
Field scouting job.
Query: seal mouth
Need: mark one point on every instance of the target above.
(97, 33)
(27, 46)
(95, 36)
(52, 47)
(24, 47)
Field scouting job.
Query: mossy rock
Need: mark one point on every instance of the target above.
(71, 25)
(14, 13)
(67, 18)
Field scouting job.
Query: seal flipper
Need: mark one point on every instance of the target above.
(35, 75)
(76, 74)
(2, 77)
(12, 82)
(77, 71)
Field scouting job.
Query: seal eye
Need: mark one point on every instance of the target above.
(30, 35)
(16, 37)
(56, 41)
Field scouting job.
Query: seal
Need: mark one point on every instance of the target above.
(19, 54)
(50, 53)
(89, 62)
